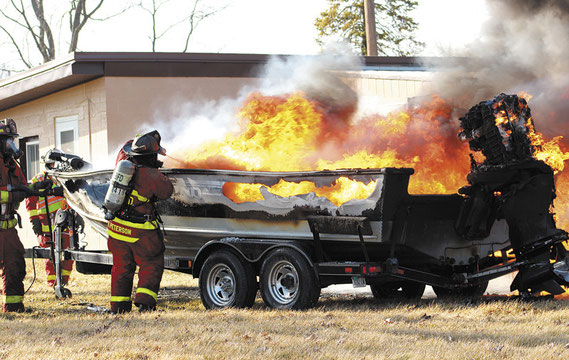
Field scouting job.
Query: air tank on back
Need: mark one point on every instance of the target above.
(118, 188)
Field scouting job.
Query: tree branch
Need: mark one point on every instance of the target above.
(12, 19)
(48, 51)
(194, 22)
(113, 15)
(80, 18)
(27, 63)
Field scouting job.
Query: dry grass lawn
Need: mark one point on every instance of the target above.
(341, 327)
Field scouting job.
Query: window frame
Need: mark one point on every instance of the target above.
(66, 123)
(31, 174)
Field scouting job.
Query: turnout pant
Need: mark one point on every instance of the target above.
(66, 265)
(148, 253)
(13, 268)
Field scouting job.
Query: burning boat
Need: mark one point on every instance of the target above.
(299, 231)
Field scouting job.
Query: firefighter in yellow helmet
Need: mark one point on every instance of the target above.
(42, 212)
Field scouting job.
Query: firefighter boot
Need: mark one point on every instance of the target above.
(121, 307)
(145, 308)
(16, 307)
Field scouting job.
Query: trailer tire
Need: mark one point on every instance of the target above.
(409, 290)
(227, 281)
(413, 290)
(287, 281)
(471, 291)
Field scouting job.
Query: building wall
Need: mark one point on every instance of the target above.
(384, 91)
(86, 101)
(37, 118)
(135, 104)
(142, 104)
(112, 110)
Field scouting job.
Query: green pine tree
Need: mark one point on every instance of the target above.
(395, 28)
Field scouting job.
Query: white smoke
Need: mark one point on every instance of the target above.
(316, 76)
(199, 123)
(196, 123)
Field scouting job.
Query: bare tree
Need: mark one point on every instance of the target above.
(32, 19)
(188, 22)
(194, 19)
(78, 16)
(153, 11)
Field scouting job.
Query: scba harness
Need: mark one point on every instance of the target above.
(127, 224)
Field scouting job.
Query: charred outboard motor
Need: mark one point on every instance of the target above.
(512, 184)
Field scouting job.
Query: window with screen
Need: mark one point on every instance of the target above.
(32, 159)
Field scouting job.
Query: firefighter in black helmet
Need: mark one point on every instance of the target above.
(12, 264)
(134, 234)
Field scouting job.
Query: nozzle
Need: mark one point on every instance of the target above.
(55, 155)
(108, 215)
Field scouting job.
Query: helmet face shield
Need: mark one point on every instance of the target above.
(9, 147)
(156, 135)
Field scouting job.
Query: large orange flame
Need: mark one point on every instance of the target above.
(293, 133)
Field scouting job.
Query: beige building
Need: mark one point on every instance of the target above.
(89, 104)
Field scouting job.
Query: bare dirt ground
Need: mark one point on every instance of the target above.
(344, 325)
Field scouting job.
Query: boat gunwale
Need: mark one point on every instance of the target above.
(271, 174)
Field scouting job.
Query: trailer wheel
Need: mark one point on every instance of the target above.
(471, 291)
(413, 290)
(407, 290)
(227, 281)
(287, 281)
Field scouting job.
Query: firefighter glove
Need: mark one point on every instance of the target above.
(18, 196)
(44, 184)
(36, 226)
(57, 191)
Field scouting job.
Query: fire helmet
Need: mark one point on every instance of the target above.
(145, 144)
(8, 127)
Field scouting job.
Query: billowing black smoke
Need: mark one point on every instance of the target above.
(523, 47)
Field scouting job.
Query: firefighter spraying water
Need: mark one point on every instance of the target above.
(133, 223)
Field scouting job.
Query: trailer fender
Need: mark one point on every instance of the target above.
(251, 250)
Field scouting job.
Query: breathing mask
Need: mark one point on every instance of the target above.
(9, 148)
(8, 137)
